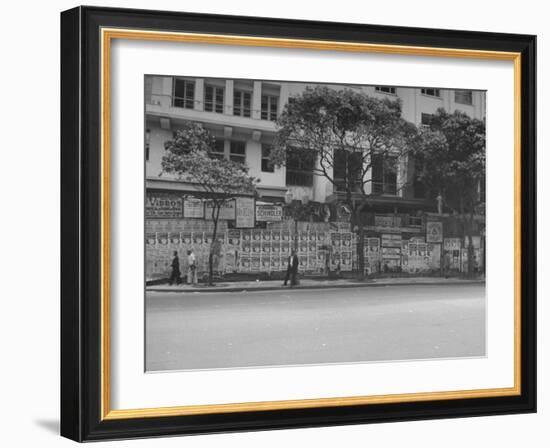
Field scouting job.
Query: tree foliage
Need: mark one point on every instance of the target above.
(341, 130)
(190, 157)
(450, 159)
(342, 134)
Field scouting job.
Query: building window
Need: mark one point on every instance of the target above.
(426, 119)
(299, 170)
(463, 97)
(267, 167)
(219, 150)
(431, 92)
(348, 171)
(381, 89)
(384, 175)
(237, 152)
(242, 101)
(183, 93)
(270, 104)
(213, 99)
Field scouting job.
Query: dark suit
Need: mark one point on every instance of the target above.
(292, 270)
(175, 276)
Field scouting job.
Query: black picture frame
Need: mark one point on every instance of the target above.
(81, 288)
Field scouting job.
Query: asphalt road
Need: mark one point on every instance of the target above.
(283, 327)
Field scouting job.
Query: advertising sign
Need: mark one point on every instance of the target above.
(434, 232)
(161, 205)
(227, 210)
(193, 208)
(269, 213)
(244, 212)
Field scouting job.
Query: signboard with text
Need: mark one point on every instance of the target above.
(193, 208)
(227, 210)
(244, 212)
(159, 205)
(269, 213)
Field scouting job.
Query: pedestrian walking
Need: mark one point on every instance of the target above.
(191, 268)
(292, 269)
(175, 276)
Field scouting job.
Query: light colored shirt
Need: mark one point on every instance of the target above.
(191, 259)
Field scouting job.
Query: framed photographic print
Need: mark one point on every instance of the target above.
(273, 224)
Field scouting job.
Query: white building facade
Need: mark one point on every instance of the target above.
(241, 115)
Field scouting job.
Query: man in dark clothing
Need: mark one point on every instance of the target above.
(176, 274)
(292, 269)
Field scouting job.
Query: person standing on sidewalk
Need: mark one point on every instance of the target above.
(191, 268)
(292, 269)
(175, 276)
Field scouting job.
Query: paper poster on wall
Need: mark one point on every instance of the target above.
(434, 232)
(245, 216)
(227, 210)
(193, 207)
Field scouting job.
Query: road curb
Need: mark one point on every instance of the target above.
(278, 288)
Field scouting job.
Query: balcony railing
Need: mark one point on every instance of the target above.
(165, 100)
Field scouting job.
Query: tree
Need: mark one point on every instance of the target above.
(449, 159)
(343, 134)
(190, 156)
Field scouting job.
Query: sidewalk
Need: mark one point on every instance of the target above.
(311, 283)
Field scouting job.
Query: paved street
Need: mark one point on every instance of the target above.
(207, 330)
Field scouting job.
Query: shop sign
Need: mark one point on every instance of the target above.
(434, 232)
(193, 208)
(244, 212)
(163, 206)
(269, 213)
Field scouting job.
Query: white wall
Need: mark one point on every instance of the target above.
(30, 185)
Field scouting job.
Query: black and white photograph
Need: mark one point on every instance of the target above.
(292, 223)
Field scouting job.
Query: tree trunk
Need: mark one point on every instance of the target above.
(295, 234)
(361, 251)
(215, 216)
(355, 220)
(470, 246)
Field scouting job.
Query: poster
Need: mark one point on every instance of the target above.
(193, 207)
(227, 210)
(434, 232)
(244, 213)
(451, 244)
